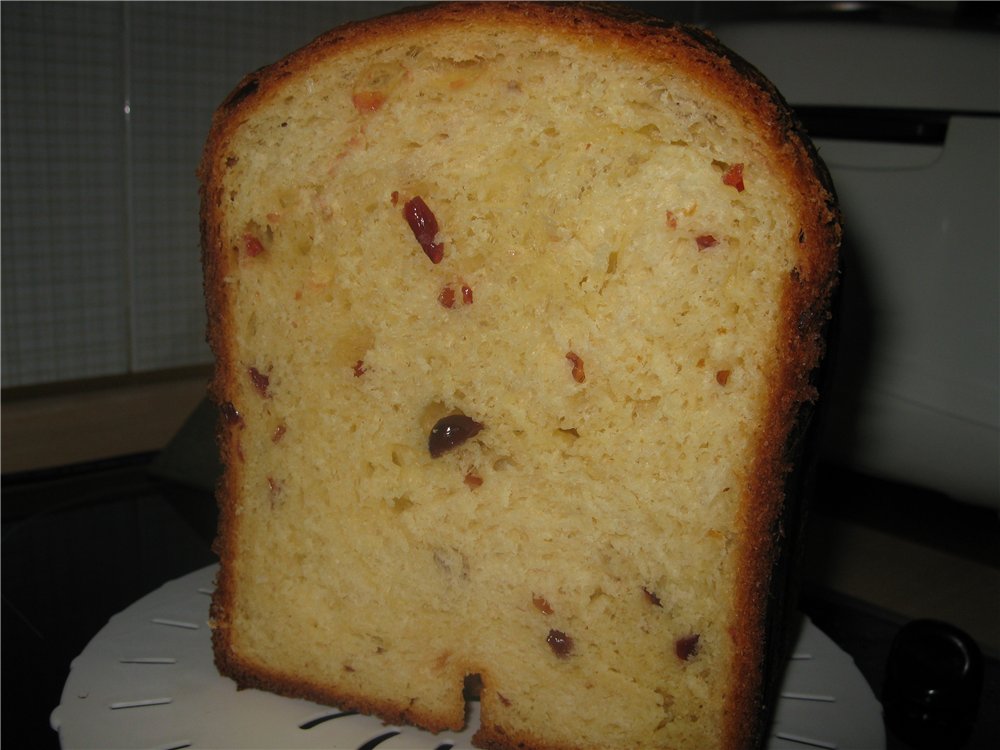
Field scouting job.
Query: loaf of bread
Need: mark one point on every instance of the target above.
(515, 308)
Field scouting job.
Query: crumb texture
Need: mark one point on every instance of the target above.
(502, 318)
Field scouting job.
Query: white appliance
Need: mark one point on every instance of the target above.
(907, 118)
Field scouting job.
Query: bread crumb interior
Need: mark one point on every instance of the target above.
(574, 193)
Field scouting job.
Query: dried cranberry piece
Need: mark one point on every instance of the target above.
(368, 101)
(450, 432)
(686, 647)
(230, 413)
(260, 381)
(542, 605)
(447, 297)
(722, 377)
(734, 177)
(705, 241)
(252, 246)
(359, 368)
(560, 643)
(473, 480)
(425, 227)
(578, 374)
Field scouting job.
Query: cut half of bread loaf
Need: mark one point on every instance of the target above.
(514, 310)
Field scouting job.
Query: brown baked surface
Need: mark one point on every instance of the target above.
(640, 244)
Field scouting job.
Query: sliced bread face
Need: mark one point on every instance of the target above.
(514, 309)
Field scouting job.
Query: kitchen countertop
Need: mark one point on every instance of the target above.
(82, 544)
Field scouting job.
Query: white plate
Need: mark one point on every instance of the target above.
(147, 681)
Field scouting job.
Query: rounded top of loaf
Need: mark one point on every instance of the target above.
(595, 27)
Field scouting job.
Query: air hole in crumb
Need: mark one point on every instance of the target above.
(687, 647)
(666, 698)
(434, 411)
(452, 562)
(473, 687)
(401, 504)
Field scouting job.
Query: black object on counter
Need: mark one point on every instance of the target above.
(933, 684)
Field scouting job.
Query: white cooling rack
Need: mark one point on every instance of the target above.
(147, 682)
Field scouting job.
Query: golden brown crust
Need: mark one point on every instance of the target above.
(805, 302)
(801, 339)
(792, 392)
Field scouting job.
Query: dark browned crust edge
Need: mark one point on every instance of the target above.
(774, 510)
(806, 296)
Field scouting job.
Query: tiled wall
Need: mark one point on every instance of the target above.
(105, 110)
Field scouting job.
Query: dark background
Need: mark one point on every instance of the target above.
(81, 543)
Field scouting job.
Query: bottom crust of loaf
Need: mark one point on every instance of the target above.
(251, 676)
